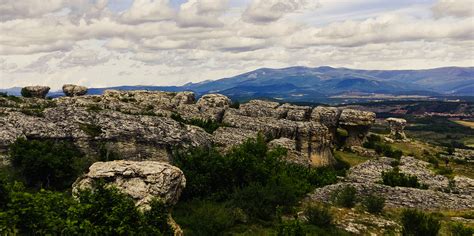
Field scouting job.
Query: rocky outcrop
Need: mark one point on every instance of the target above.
(441, 193)
(142, 180)
(35, 91)
(72, 90)
(146, 125)
(357, 123)
(293, 155)
(397, 127)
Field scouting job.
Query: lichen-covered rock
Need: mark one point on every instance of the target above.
(296, 113)
(35, 91)
(142, 180)
(328, 116)
(228, 137)
(357, 123)
(260, 108)
(213, 106)
(293, 155)
(72, 90)
(397, 127)
(400, 197)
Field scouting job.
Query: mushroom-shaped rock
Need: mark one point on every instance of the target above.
(35, 91)
(72, 90)
(397, 126)
(142, 180)
(328, 116)
(357, 123)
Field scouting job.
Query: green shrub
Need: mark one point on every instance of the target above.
(235, 105)
(247, 176)
(46, 163)
(395, 178)
(103, 211)
(291, 228)
(92, 130)
(374, 204)
(345, 197)
(458, 229)
(208, 125)
(415, 222)
(204, 217)
(442, 170)
(319, 215)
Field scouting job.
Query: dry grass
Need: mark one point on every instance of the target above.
(469, 124)
(351, 158)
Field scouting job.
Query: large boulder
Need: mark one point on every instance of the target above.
(228, 137)
(357, 123)
(397, 127)
(35, 91)
(72, 90)
(212, 107)
(143, 180)
(292, 155)
(260, 108)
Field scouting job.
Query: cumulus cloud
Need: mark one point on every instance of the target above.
(161, 42)
(456, 8)
(266, 11)
(83, 58)
(201, 13)
(148, 11)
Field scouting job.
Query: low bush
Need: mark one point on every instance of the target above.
(395, 178)
(46, 163)
(443, 170)
(459, 229)
(319, 215)
(204, 217)
(375, 142)
(415, 222)
(374, 204)
(345, 197)
(92, 130)
(291, 228)
(103, 211)
(208, 125)
(250, 176)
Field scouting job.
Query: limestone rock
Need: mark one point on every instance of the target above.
(296, 113)
(72, 90)
(293, 155)
(397, 127)
(357, 123)
(365, 152)
(260, 108)
(214, 100)
(328, 116)
(142, 180)
(35, 91)
(228, 137)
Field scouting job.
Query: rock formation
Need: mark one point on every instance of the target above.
(142, 180)
(72, 90)
(357, 123)
(35, 91)
(142, 125)
(397, 127)
(441, 194)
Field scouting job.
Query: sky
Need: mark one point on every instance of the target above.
(101, 43)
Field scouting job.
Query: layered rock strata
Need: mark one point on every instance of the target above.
(143, 125)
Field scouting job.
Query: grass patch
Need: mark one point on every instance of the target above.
(349, 157)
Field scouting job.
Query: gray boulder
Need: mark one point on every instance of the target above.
(397, 127)
(72, 90)
(357, 123)
(142, 180)
(35, 91)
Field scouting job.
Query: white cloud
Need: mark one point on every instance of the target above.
(266, 11)
(158, 42)
(148, 11)
(201, 13)
(456, 8)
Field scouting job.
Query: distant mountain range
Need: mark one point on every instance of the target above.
(313, 84)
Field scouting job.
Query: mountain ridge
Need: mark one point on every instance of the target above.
(300, 83)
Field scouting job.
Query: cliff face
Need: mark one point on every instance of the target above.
(138, 124)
